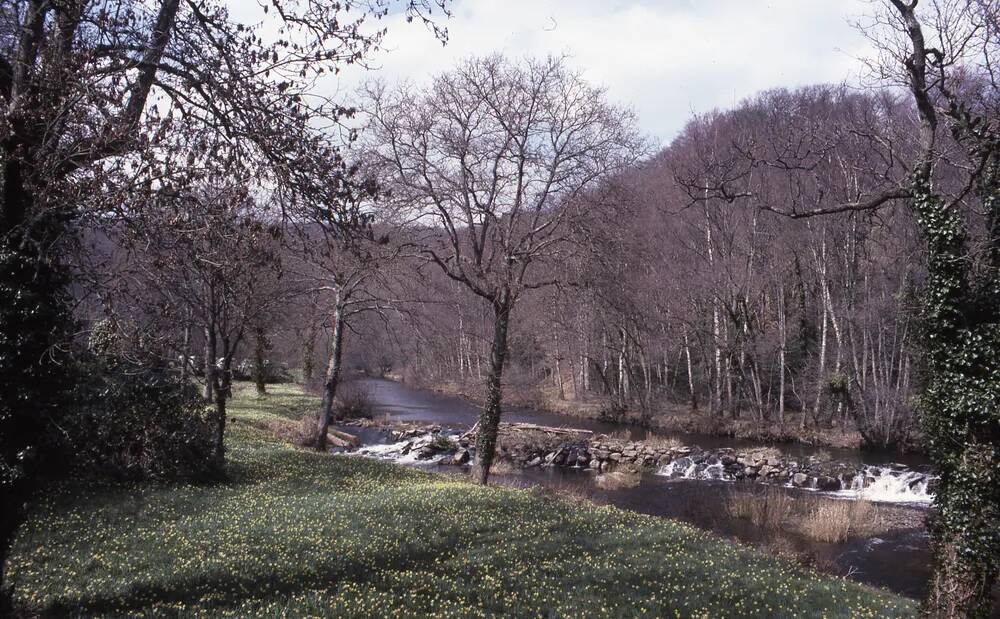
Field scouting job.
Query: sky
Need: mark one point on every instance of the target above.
(666, 59)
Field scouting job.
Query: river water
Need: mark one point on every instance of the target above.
(898, 561)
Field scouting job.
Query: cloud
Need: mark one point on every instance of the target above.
(664, 58)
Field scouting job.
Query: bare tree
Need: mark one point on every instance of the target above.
(493, 161)
(344, 262)
(946, 168)
(210, 255)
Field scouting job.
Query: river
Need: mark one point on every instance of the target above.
(897, 561)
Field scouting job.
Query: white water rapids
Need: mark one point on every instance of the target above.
(889, 485)
(884, 484)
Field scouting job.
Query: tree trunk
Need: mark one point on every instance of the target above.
(489, 418)
(572, 378)
(782, 343)
(260, 360)
(227, 368)
(307, 353)
(220, 418)
(559, 376)
(623, 382)
(821, 373)
(210, 346)
(332, 378)
(690, 372)
(461, 346)
(963, 580)
(185, 353)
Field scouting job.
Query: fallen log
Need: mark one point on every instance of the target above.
(507, 426)
(342, 439)
(547, 429)
(471, 431)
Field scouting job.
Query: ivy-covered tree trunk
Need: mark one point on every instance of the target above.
(960, 408)
(489, 418)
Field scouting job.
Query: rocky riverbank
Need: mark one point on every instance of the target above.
(529, 445)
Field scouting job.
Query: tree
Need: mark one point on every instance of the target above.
(960, 302)
(209, 255)
(947, 170)
(344, 265)
(492, 163)
(76, 81)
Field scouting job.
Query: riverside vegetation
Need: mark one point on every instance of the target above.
(294, 532)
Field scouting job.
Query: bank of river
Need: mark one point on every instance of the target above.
(897, 560)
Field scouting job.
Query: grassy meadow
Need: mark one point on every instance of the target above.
(295, 533)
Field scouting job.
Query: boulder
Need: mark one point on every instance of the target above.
(461, 456)
(827, 483)
(800, 480)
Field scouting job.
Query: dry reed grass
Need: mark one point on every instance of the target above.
(836, 521)
(618, 479)
(818, 518)
(767, 509)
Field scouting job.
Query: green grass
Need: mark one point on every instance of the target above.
(296, 533)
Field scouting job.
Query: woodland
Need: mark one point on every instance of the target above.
(186, 214)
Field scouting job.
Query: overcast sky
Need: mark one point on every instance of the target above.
(665, 58)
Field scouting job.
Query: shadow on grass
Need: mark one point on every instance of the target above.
(221, 591)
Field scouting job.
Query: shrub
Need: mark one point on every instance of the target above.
(613, 411)
(301, 433)
(354, 402)
(139, 422)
